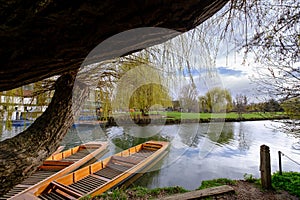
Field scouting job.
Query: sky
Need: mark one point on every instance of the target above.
(232, 74)
(236, 76)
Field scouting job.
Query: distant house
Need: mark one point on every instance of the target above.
(20, 104)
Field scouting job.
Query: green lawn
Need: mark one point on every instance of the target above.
(231, 115)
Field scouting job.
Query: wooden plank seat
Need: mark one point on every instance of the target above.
(13, 192)
(78, 155)
(60, 191)
(127, 161)
(143, 153)
(87, 184)
(74, 190)
(111, 171)
(32, 180)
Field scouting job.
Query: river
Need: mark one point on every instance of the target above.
(198, 151)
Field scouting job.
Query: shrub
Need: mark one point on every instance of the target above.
(288, 181)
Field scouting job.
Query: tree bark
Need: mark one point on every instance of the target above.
(21, 155)
(39, 39)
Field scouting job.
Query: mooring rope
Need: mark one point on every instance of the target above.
(290, 158)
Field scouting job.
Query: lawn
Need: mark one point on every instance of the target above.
(231, 115)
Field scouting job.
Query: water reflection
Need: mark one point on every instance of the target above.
(83, 134)
(9, 131)
(235, 150)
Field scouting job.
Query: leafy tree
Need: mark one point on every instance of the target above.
(188, 98)
(291, 107)
(218, 100)
(272, 106)
(240, 104)
(202, 104)
(149, 95)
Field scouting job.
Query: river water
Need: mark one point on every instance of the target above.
(197, 152)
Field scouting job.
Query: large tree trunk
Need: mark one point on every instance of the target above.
(39, 39)
(21, 155)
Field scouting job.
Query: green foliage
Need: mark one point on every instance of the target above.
(249, 178)
(288, 181)
(140, 192)
(126, 141)
(216, 100)
(117, 194)
(228, 116)
(86, 197)
(149, 95)
(292, 108)
(216, 182)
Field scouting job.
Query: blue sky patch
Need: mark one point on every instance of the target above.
(230, 72)
(221, 70)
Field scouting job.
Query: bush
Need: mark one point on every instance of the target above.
(288, 181)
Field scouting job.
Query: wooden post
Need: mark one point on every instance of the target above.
(279, 158)
(265, 167)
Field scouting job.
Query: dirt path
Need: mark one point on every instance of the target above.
(249, 191)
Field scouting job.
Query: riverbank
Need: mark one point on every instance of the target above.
(169, 118)
(243, 190)
(247, 189)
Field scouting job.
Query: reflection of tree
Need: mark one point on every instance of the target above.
(225, 136)
(243, 141)
(189, 134)
(76, 136)
(126, 141)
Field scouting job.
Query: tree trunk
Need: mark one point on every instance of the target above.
(21, 155)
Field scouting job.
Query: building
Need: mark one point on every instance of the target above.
(20, 103)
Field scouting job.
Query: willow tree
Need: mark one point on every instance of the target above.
(218, 100)
(148, 96)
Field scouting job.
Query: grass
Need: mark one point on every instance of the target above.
(231, 115)
(251, 179)
(139, 192)
(288, 181)
(206, 117)
(216, 182)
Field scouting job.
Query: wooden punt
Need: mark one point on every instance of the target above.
(57, 165)
(103, 175)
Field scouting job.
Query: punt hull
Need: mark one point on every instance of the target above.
(57, 165)
(106, 174)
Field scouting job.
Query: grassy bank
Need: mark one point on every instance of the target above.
(180, 117)
(288, 181)
(227, 116)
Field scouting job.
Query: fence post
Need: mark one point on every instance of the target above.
(265, 167)
(279, 158)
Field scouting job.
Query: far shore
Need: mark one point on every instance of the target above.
(169, 118)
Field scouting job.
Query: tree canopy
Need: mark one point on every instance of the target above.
(40, 39)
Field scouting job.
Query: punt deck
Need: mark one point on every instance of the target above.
(58, 165)
(103, 175)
